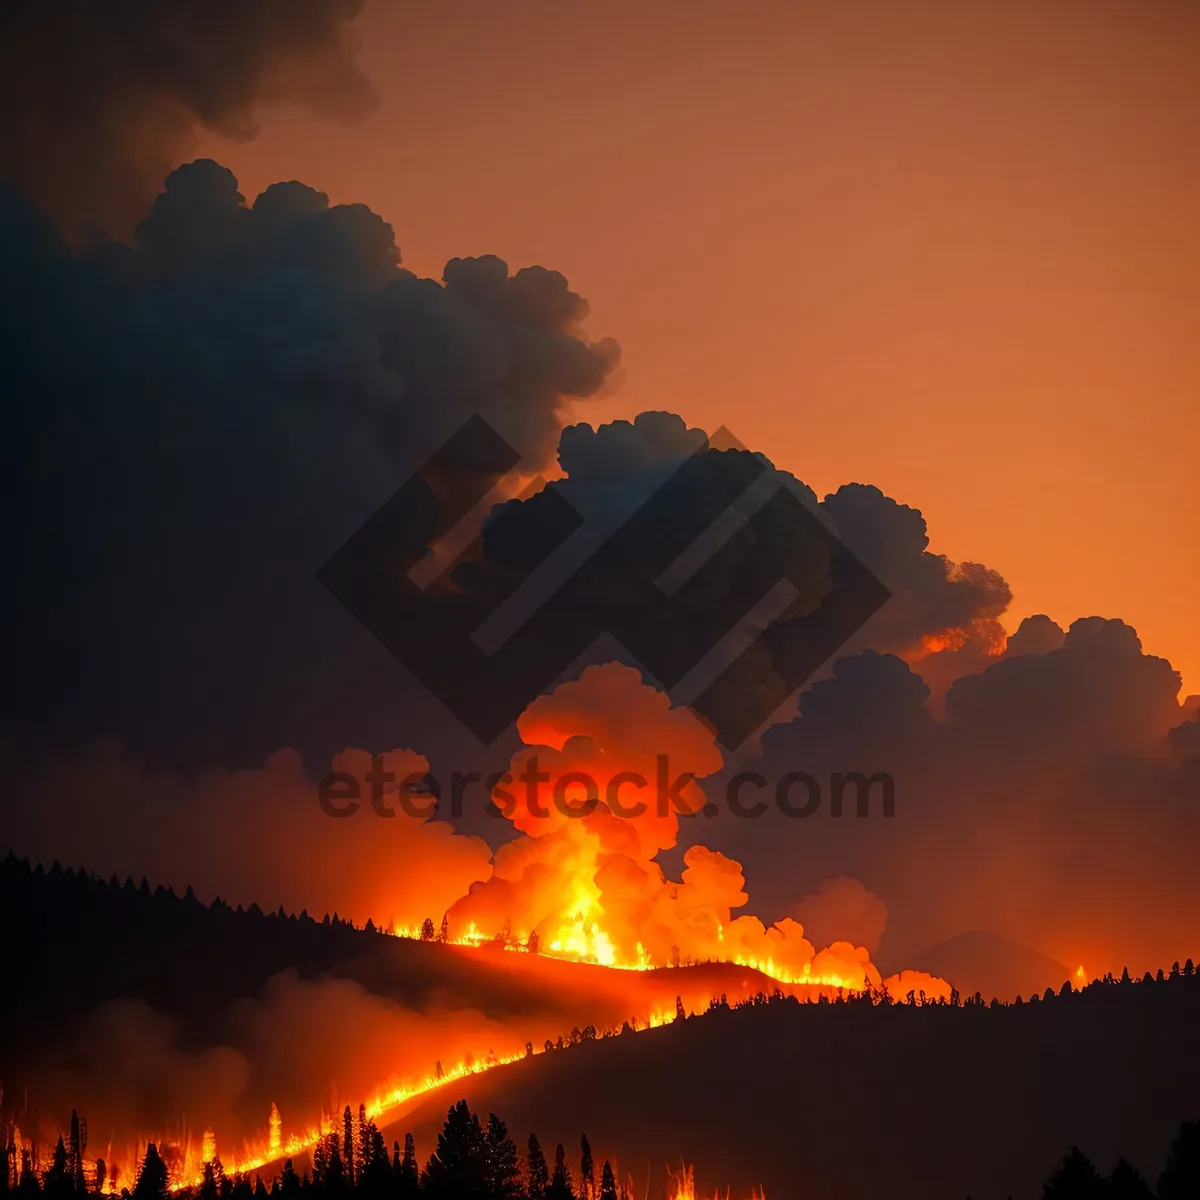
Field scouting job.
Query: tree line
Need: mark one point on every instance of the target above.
(480, 1161)
(473, 1160)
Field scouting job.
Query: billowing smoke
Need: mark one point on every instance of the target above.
(196, 421)
(1049, 805)
(943, 617)
(842, 909)
(99, 103)
(596, 795)
(250, 836)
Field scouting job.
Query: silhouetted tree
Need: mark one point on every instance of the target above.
(152, 1178)
(608, 1182)
(1076, 1179)
(289, 1182)
(407, 1175)
(680, 1015)
(348, 1154)
(458, 1168)
(560, 1181)
(537, 1174)
(503, 1170)
(212, 1180)
(1181, 1176)
(427, 934)
(1126, 1183)
(57, 1181)
(376, 1170)
(444, 931)
(587, 1171)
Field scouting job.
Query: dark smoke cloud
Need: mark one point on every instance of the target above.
(1051, 805)
(99, 101)
(1035, 635)
(942, 614)
(196, 421)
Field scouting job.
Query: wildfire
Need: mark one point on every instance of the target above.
(584, 884)
(582, 875)
(275, 1133)
(683, 1187)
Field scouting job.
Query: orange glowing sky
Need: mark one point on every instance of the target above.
(949, 249)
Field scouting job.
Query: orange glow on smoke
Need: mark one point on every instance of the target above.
(588, 886)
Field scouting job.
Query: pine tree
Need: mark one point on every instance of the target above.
(444, 932)
(680, 1015)
(427, 934)
(1126, 1183)
(608, 1183)
(289, 1182)
(407, 1185)
(1076, 1179)
(348, 1155)
(503, 1169)
(1181, 1177)
(57, 1180)
(458, 1168)
(560, 1182)
(587, 1171)
(210, 1184)
(537, 1174)
(152, 1178)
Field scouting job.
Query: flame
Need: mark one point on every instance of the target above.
(584, 877)
(683, 1186)
(587, 886)
(275, 1137)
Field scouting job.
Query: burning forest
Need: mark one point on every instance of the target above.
(449, 752)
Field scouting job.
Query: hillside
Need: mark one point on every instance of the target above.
(829, 1100)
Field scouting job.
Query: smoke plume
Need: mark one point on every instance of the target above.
(100, 102)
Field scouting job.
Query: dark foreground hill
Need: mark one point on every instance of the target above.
(850, 1100)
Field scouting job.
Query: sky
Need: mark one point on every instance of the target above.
(948, 251)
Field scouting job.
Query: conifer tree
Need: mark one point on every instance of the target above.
(289, 1182)
(503, 1170)
(1181, 1177)
(152, 1178)
(1126, 1183)
(458, 1168)
(537, 1174)
(407, 1185)
(560, 1181)
(587, 1171)
(1076, 1179)
(608, 1183)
